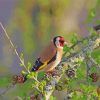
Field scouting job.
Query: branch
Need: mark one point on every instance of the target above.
(22, 62)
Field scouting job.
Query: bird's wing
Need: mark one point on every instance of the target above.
(38, 65)
(48, 53)
(46, 57)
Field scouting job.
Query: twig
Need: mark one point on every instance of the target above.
(47, 96)
(22, 62)
(76, 44)
(16, 51)
(37, 89)
(13, 47)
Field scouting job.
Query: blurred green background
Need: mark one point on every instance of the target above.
(31, 24)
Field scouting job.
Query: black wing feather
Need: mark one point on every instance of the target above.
(37, 65)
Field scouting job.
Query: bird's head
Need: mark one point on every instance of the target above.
(59, 42)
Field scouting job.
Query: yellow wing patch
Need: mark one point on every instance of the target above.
(44, 64)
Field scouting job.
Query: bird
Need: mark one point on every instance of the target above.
(49, 58)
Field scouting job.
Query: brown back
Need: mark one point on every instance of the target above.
(48, 52)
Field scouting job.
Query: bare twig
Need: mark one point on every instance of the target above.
(13, 47)
(21, 60)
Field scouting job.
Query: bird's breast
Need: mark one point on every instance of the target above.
(51, 66)
(58, 58)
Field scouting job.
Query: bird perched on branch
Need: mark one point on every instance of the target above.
(49, 58)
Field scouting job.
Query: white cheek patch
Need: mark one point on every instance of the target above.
(57, 42)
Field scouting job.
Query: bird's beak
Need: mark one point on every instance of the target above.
(65, 43)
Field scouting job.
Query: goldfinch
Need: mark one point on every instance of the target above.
(50, 57)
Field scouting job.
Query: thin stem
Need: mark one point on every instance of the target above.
(37, 89)
(13, 47)
(35, 79)
(16, 51)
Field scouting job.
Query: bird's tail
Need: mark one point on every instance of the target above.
(37, 65)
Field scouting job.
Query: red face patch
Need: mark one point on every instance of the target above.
(61, 42)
